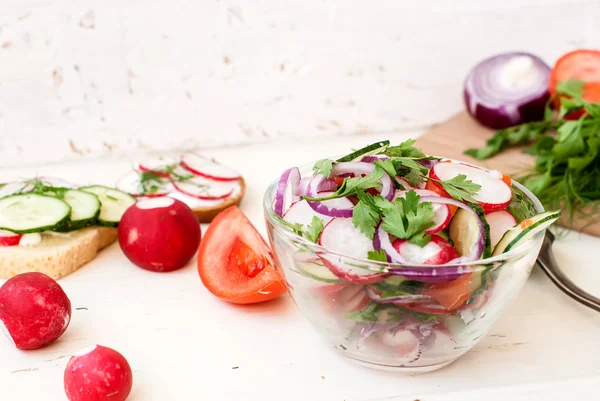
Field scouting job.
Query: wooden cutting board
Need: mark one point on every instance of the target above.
(451, 138)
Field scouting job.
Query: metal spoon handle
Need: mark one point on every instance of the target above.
(553, 271)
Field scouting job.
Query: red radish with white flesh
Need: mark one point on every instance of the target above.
(340, 236)
(132, 184)
(403, 343)
(382, 241)
(8, 238)
(208, 168)
(350, 298)
(34, 310)
(507, 89)
(437, 251)
(159, 234)
(98, 373)
(205, 188)
(493, 195)
(362, 168)
(160, 166)
(499, 222)
(442, 212)
(287, 187)
(302, 213)
(15, 187)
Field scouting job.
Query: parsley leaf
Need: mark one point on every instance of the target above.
(352, 185)
(366, 215)
(368, 314)
(405, 149)
(324, 167)
(408, 218)
(460, 188)
(387, 165)
(314, 229)
(378, 256)
(295, 227)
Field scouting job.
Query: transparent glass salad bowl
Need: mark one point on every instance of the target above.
(405, 318)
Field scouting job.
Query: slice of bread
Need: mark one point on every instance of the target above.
(206, 214)
(57, 255)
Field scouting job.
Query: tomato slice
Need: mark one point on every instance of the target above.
(235, 263)
(580, 64)
(452, 294)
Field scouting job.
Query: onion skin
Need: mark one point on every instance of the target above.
(490, 109)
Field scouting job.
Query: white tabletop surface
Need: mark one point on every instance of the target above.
(183, 343)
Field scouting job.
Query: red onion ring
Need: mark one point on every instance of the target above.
(356, 168)
(496, 97)
(287, 185)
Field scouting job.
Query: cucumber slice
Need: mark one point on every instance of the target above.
(85, 208)
(113, 204)
(370, 150)
(30, 213)
(317, 272)
(525, 230)
(464, 230)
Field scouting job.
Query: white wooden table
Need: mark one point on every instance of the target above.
(183, 343)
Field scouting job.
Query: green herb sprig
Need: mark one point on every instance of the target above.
(567, 153)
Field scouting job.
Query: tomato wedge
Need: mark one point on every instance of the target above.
(235, 263)
(452, 294)
(579, 64)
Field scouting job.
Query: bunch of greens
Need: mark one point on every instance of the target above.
(405, 218)
(566, 146)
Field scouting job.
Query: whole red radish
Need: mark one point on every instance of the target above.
(159, 234)
(98, 373)
(34, 310)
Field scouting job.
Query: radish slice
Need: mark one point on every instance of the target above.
(302, 213)
(437, 251)
(340, 236)
(131, 183)
(205, 188)
(339, 207)
(442, 216)
(160, 165)
(358, 168)
(55, 182)
(14, 188)
(494, 193)
(507, 89)
(8, 238)
(499, 222)
(286, 190)
(208, 168)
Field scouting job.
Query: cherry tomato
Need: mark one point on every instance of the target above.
(235, 263)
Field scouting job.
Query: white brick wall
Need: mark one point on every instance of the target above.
(93, 78)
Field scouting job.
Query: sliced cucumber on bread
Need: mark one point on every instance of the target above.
(113, 204)
(30, 213)
(85, 208)
(525, 230)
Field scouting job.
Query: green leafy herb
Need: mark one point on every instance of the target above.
(566, 174)
(405, 149)
(295, 227)
(378, 256)
(387, 165)
(324, 167)
(352, 185)
(368, 314)
(314, 229)
(366, 214)
(460, 188)
(408, 219)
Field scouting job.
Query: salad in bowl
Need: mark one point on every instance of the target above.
(402, 260)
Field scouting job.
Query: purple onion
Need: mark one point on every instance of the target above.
(382, 241)
(507, 89)
(321, 206)
(428, 163)
(325, 185)
(371, 159)
(287, 185)
(432, 274)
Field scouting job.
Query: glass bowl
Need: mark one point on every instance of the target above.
(418, 330)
